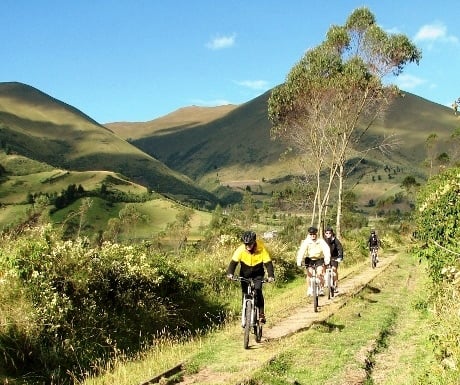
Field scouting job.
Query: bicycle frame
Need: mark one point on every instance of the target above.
(374, 254)
(329, 281)
(250, 312)
(314, 284)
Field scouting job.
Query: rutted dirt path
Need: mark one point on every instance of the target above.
(304, 317)
(300, 319)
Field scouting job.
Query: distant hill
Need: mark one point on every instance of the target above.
(188, 117)
(234, 146)
(237, 146)
(200, 153)
(40, 127)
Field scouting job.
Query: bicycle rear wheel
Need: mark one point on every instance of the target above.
(257, 326)
(330, 285)
(247, 326)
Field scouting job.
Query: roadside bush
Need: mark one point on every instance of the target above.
(438, 230)
(86, 304)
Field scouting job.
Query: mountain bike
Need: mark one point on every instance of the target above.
(250, 312)
(374, 257)
(329, 281)
(314, 285)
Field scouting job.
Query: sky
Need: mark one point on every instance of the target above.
(138, 60)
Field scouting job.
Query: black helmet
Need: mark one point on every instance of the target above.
(372, 232)
(248, 237)
(312, 230)
(329, 228)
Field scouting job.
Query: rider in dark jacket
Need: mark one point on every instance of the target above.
(336, 252)
(373, 242)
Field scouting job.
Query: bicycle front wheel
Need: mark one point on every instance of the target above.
(247, 326)
(314, 286)
(374, 259)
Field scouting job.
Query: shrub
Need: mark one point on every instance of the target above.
(86, 304)
(438, 229)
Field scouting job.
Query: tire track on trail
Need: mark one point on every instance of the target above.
(302, 318)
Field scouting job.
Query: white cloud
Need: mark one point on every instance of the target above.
(408, 82)
(254, 84)
(435, 32)
(221, 42)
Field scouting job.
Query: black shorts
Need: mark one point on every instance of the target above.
(334, 262)
(314, 262)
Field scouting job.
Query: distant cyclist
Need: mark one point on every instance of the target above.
(314, 253)
(374, 243)
(252, 257)
(336, 252)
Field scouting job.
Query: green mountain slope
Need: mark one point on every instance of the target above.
(39, 127)
(237, 145)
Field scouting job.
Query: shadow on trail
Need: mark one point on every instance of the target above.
(327, 327)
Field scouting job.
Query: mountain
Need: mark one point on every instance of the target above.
(196, 153)
(236, 146)
(40, 127)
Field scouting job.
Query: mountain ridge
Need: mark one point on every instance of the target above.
(40, 127)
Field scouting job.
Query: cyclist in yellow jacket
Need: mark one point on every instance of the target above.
(253, 258)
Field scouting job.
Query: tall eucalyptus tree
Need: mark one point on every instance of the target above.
(332, 96)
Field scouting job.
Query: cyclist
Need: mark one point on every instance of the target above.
(336, 253)
(314, 253)
(373, 242)
(253, 257)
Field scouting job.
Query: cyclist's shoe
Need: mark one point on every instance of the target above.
(309, 292)
(321, 291)
(262, 318)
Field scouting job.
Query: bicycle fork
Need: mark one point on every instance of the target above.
(243, 311)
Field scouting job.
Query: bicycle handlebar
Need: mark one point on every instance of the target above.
(248, 279)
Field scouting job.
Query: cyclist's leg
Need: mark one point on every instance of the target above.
(335, 272)
(260, 300)
(308, 275)
(320, 271)
(244, 290)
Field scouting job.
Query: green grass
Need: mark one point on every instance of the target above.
(354, 343)
(382, 325)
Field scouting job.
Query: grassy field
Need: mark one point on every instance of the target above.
(381, 335)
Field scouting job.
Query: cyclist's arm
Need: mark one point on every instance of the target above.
(270, 269)
(339, 248)
(301, 252)
(231, 267)
(326, 251)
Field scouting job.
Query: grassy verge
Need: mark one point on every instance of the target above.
(220, 353)
(380, 337)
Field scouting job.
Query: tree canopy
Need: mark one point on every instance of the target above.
(334, 89)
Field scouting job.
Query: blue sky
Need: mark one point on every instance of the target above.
(137, 60)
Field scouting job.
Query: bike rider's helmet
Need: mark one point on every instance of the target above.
(248, 237)
(329, 230)
(312, 230)
(372, 232)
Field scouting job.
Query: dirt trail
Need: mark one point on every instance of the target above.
(304, 317)
(300, 319)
